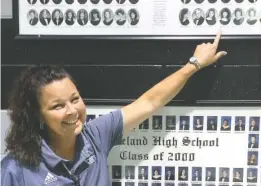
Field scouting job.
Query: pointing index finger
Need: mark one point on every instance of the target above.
(217, 39)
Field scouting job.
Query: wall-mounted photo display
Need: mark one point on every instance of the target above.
(135, 18)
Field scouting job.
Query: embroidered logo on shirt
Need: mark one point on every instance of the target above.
(49, 178)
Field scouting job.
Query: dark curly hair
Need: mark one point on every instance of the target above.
(23, 140)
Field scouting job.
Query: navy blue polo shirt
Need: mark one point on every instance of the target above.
(89, 167)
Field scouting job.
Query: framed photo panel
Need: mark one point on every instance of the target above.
(178, 19)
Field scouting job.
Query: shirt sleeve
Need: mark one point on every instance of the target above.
(107, 129)
(7, 179)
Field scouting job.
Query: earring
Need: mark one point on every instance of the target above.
(41, 125)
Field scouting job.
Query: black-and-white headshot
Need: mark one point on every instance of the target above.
(238, 175)
(45, 17)
(107, 16)
(199, 1)
(185, 1)
(253, 141)
(144, 125)
(225, 16)
(95, 17)
(57, 17)
(225, 1)
(169, 173)
(212, 1)
(210, 174)
(31, 1)
(212, 123)
(183, 174)
(170, 122)
(184, 123)
(32, 17)
(157, 122)
(198, 123)
(240, 122)
(82, 1)
(211, 16)
(224, 175)
(69, 1)
(238, 16)
(120, 1)
(133, 16)
(107, 1)
(156, 173)
(252, 1)
(196, 174)
(129, 172)
(251, 175)
(44, 1)
(95, 1)
(198, 16)
(254, 123)
(120, 17)
(184, 16)
(133, 1)
(252, 16)
(82, 17)
(143, 173)
(129, 183)
(239, 1)
(116, 172)
(70, 17)
(57, 1)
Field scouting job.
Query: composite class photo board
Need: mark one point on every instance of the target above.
(139, 17)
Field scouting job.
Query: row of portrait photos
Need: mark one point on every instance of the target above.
(171, 174)
(94, 17)
(196, 123)
(215, 1)
(225, 16)
(45, 2)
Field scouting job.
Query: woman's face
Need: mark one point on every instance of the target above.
(238, 13)
(69, 15)
(252, 13)
(211, 13)
(62, 109)
(133, 15)
(156, 172)
(225, 14)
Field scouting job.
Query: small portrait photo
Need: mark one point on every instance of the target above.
(170, 173)
(95, 17)
(142, 184)
(225, 123)
(144, 125)
(199, 1)
(82, 17)
(210, 174)
(95, 1)
(252, 175)
(31, 2)
(134, 1)
(82, 1)
(57, 17)
(182, 184)
(223, 175)
(198, 123)
(238, 16)
(32, 17)
(196, 184)
(254, 123)
(251, 16)
(69, 1)
(107, 1)
(133, 16)
(70, 17)
(170, 122)
(120, 17)
(183, 174)
(157, 122)
(156, 173)
(116, 171)
(90, 117)
(130, 172)
(169, 184)
(239, 1)
(156, 184)
(116, 184)
(225, 16)
(238, 174)
(184, 16)
(143, 173)
(240, 122)
(44, 2)
(212, 1)
(212, 123)
(129, 184)
(184, 123)
(185, 1)
(253, 140)
(252, 158)
(57, 1)
(196, 174)
(107, 16)
(211, 16)
(45, 17)
(198, 16)
(252, 1)
(225, 1)
(120, 1)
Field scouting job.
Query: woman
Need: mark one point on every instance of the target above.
(70, 17)
(239, 18)
(211, 17)
(156, 175)
(184, 16)
(225, 16)
(49, 141)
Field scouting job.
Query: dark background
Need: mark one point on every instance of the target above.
(118, 71)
